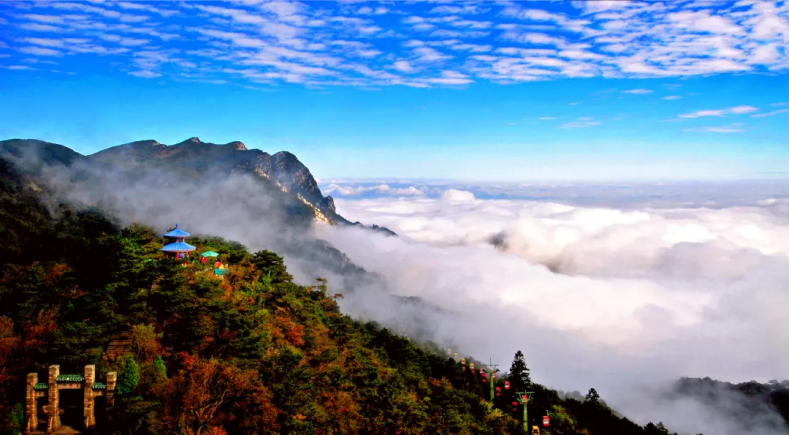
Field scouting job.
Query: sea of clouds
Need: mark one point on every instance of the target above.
(623, 297)
(623, 288)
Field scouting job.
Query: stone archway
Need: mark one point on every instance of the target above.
(83, 390)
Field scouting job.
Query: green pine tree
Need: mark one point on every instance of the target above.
(159, 367)
(273, 265)
(592, 397)
(519, 374)
(129, 376)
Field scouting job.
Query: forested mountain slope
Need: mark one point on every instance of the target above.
(245, 353)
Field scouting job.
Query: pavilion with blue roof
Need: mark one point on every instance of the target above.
(179, 248)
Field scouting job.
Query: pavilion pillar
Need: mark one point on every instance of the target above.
(112, 378)
(88, 411)
(53, 410)
(31, 413)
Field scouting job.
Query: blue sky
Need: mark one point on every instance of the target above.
(477, 91)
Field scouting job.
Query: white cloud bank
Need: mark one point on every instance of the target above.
(594, 297)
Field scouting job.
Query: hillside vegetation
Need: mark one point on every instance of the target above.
(250, 352)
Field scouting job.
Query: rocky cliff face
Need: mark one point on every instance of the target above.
(204, 158)
(283, 168)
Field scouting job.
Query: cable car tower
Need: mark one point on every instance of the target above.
(523, 398)
(491, 370)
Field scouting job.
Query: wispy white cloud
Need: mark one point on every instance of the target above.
(451, 78)
(19, 67)
(147, 8)
(672, 97)
(534, 38)
(468, 9)
(45, 42)
(145, 74)
(81, 7)
(703, 21)
(428, 54)
(772, 113)
(51, 19)
(737, 110)
(499, 42)
(367, 10)
(637, 91)
(127, 42)
(731, 128)
(38, 27)
(404, 66)
(39, 51)
(583, 122)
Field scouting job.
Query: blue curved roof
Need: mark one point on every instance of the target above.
(178, 247)
(177, 233)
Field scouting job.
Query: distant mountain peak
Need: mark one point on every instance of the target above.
(191, 140)
(239, 146)
(147, 142)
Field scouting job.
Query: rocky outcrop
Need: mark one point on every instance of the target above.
(283, 168)
(196, 157)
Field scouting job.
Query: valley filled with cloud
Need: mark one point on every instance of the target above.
(617, 298)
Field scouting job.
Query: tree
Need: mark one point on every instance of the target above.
(129, 377)
(207, 387)
(519, 373)
(9, 343)
(269, 263)
(659, 429)
(144, 342)
(592, 397)
(159, 368)
(15, 420)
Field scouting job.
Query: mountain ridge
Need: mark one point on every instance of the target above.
(283, 168)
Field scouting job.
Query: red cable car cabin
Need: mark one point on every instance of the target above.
(506, 385)
(546, 421)
(498, 391)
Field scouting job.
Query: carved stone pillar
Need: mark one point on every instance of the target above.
(87, 387)
(31, 413)
(112, 378)
(53, 416)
